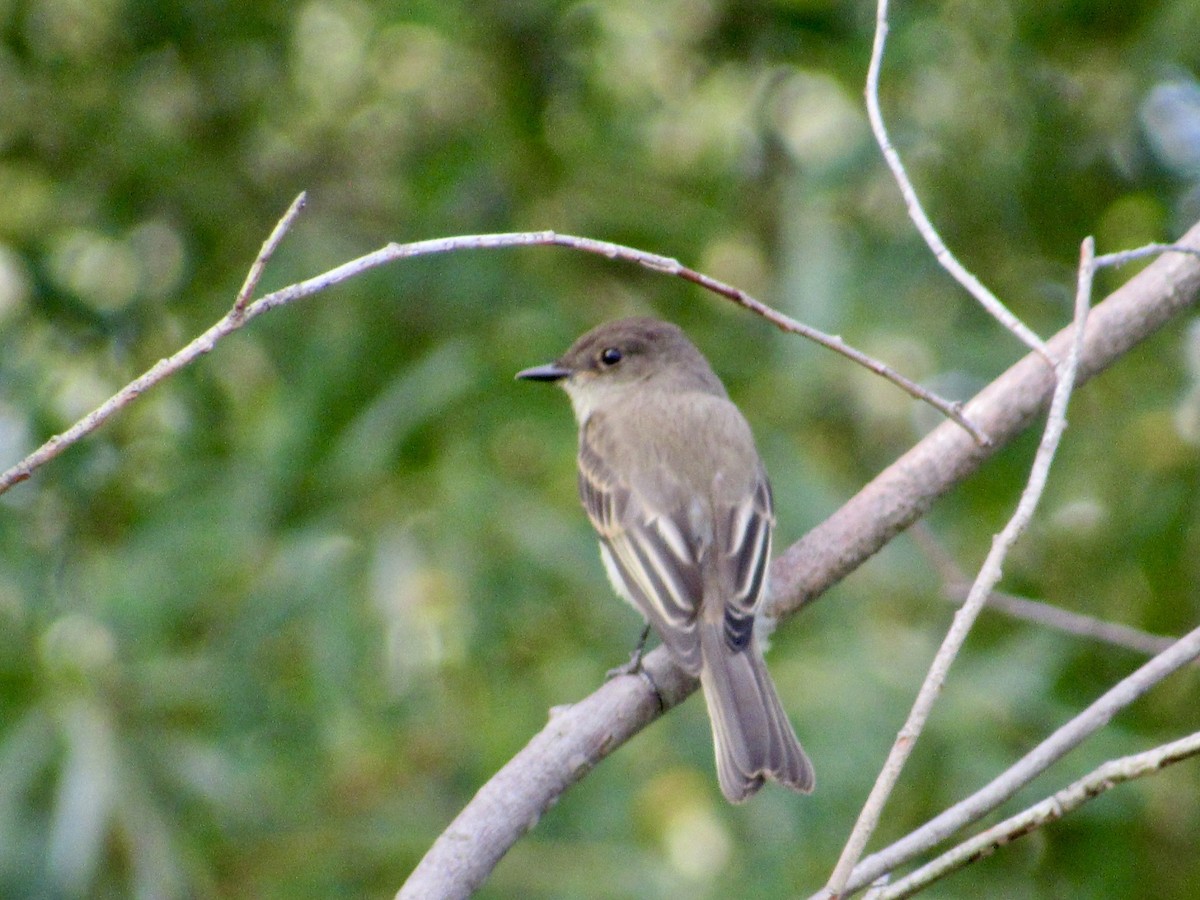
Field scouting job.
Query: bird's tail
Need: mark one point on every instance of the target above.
(752, 736)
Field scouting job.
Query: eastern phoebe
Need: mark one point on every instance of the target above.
(670, 478)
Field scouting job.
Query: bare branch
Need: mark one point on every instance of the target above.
(668, 266)
(241, 313)
(575, 739)
(508, 805)
(956, 586)
(1053, 808)
(916, 212)
(233, 320)
(989, 574)
(1068, 622)
(1040, 758)
(268, 250)
(1122, 257)
(952, 411)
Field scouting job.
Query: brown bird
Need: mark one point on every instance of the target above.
(671, 480)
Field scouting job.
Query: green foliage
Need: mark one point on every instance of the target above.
(265, 633)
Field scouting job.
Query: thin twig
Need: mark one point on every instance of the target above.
(989, 574)
(916, 212)
(952, 411)
(234, 319)
(1122, 257)
(1078, 624)
(1098, 781)
(241, 313)
(268, 250)
(1053, 748)
(956, 586)
(668, 266)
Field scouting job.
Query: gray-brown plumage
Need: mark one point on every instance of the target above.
(671, 480)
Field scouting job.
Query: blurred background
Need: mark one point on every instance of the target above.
(265, 633)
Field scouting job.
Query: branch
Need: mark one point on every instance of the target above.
(952, 411)
(1053, 808)
(241, 313)
(955, 587)
(1111, 260)
(164, 368)
(668, 266)
(513, 800)
(268, 250)
(989, 575)
(904, 492)
(916, 212)
(1041, 757)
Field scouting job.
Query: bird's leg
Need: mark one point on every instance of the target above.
(634, 666)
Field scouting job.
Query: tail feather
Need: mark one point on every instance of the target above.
(752, 736)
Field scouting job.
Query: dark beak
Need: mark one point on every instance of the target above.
(548, 372)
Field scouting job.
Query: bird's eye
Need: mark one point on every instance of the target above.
(610, 356)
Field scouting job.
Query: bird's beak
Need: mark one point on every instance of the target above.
(548, 372)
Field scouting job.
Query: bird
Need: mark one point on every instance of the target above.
(672, 482)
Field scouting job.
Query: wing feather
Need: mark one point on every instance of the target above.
(713, 537)
(648, 554)
(746, 544)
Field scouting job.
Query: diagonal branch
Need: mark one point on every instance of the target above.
(270, 245)
(955, 587)
(1120, 258)
(903, 493)
(513, 800)
(1100, 780)
(916, 211)
(989, 575)
(1036, 761)
(237, 316)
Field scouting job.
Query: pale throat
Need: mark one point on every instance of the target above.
(587, 396)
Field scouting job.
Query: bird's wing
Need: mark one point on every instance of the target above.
(743, 541)
(650, 555)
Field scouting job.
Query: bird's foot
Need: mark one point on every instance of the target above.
(634, 666)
